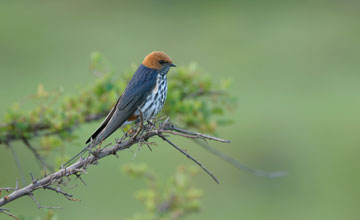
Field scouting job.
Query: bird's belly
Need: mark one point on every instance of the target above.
(155, 100)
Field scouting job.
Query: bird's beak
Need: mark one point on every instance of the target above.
(172, 65)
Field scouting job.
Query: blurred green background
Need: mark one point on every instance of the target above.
(295, 67)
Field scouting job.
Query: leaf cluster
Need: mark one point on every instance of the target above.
(174, 198)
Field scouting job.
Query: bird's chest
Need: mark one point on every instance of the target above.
(156, 99)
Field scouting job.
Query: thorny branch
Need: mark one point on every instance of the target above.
(78, 168)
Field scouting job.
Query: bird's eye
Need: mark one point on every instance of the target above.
(162, 62)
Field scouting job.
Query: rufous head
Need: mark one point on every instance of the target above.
(158, 60)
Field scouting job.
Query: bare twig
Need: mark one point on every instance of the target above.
(58, 190)
(190, 157)
(39, 205)
(78, 176)
(41, 160)
(7, 212)
(21, 171)
(79, 167)
(191, 134)
(163, 207)
(239, 165)
(7, 189)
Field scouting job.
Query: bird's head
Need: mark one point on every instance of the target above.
(159, 61)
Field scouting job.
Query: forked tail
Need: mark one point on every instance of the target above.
(76, 156)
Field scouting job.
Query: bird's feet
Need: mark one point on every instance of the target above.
(150, 122)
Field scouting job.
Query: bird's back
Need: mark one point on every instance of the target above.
(140, 86)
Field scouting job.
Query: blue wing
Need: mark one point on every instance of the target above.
(139, 87)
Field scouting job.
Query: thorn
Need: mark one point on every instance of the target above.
(34, 180)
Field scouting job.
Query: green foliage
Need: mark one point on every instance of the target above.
(174, 198)
(194, 101)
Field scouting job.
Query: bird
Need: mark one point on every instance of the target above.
(146, 91)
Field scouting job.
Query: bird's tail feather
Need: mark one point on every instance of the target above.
(76, 156)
